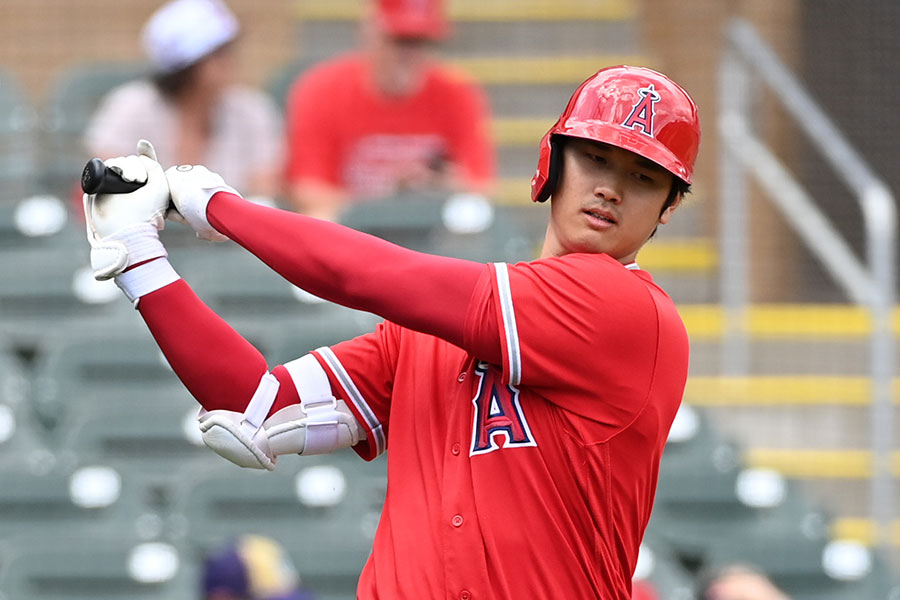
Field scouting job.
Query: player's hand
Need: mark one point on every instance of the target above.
(122, 229)
(191, 187)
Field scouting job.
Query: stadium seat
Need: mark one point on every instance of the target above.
(323, 509)
(708, 516)
(71, 101)
(460, 226)
(785, 542)
(257, 301)
(157, 444)
(18, 124)
(659, 566)
(51, 290)
(407, 219)
(19, 443)
(696, 498)
(85, 374)
(38, 222)
(704, 513)
(43, 504)
(279, 84)
(99, 566)
(298, 336)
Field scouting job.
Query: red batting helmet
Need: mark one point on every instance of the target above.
(630, 107)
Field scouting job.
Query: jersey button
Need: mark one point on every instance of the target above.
(465, 595)
(462, 377)
(454, 449)
(457, 520)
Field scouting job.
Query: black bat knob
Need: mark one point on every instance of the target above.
(98, 179)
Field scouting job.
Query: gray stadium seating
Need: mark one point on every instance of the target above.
(329, 544)
(101, 566)
(18, 147)
(71, 101)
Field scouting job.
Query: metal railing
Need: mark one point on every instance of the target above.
(748, 61)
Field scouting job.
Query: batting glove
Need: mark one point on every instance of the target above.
(191, 187)
(123, 229)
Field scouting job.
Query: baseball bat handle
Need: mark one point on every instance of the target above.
(98, 179)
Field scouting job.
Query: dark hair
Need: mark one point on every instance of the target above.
(680, 188)
(171, 85)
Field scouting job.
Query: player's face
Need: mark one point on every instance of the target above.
(216, 71)
(400, 63)
(608, 200)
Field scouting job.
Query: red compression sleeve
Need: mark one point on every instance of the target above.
(218, 367)
(418, 291)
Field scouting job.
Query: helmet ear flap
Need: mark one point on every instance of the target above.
(554, 168)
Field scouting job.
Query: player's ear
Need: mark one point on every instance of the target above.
(672, 207)
(673, 201)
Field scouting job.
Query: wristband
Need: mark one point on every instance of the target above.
(146, 278)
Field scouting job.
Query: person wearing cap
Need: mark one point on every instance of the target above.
(387, 117)
(191, 106)
(251, 567)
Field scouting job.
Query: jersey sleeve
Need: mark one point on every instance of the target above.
(361, 372)
(581, 330)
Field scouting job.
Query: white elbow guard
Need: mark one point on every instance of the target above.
(319, 424)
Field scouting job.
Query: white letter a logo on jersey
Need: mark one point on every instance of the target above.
(497, 415)
(643, 111)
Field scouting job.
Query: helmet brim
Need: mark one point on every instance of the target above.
(634, 141)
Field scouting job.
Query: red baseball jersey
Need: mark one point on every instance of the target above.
(343, 131)
(533, 478)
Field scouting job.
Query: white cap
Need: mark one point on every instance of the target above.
(183, 31)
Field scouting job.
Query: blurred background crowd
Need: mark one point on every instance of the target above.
(419, 121)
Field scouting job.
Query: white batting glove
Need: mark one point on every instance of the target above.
(191, 187)
(123, 229)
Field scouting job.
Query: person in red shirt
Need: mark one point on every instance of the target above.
(524, 407)
(387, 118)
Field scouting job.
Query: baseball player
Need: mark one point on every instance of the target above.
(525, 406)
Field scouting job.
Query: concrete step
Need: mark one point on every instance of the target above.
(528, 90)
(539, 69)
(318, 39)
(777, 365)
(821, 448)
(495, 10)
(530, 101)
(812, 440)
(787, 322)
(859, 529)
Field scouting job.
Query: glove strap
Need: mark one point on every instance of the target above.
(130, 246)
(146, 278)
(142, 242)
(323, 426)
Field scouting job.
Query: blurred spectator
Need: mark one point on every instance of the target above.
(387, 117)
(251, 568)
(191, 107)
(738, 582)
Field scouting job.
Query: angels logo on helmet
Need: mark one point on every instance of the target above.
(643, 111)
